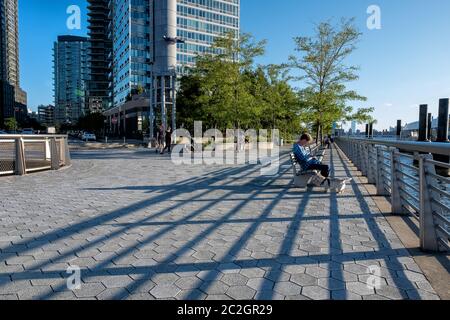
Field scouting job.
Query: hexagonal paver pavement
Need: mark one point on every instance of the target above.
(138, 227)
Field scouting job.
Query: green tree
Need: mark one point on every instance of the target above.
(225, 80)
(282, 107)
(321, 62)
(11, 124)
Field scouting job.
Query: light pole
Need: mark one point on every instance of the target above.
(15, 119)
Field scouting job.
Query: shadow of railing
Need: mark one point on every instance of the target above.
(394, 267)
(205, 186)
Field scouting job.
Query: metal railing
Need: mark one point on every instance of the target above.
(22, 154)
(406, 172)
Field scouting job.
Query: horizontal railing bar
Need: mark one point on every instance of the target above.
(408, 166)
(436, 176)
(439, 164)
(32, 136)
(412, 212)
(408, 193)
(441, 205)
(35, 141)
(441, 217)
(386, 177)
(6, 172)
(440, 148)
(410, 156)
(38, 169)
(412, 205)
(442, 230)
(442, 192)
(444, 244)
(408, 175)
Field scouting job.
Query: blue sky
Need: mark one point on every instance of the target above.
(404, 64)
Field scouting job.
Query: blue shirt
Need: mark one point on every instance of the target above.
(303, 157)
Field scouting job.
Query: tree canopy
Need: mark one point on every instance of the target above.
(321, 61)
(227, 89)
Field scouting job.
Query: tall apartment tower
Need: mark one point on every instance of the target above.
(9, 61)
(71, 75)
(99, 95)
(183, 29)
(130, 32)
(153, 41)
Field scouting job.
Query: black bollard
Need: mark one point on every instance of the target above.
(399, 128)
(430, 127)
(442, 135)
(423, 122)
(367, 130)
(371, 131)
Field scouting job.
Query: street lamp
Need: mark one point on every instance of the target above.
(16, 109)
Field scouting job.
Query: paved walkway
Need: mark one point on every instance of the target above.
(140, 228)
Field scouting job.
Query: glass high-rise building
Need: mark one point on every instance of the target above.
(199, 23)
(100, 55)
(71, 75)
(130, 32)
(141, 32)
(11, 95)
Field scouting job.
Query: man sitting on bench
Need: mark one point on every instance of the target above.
(307, 161)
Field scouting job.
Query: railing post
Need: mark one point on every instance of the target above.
(67, 160)
(20, 167)
(364, 159)
(396, 200)
(357, 156)
(48, 154)
(381, 190)
(351, 155)
(370, 167)
(54, 154)
(428, 235)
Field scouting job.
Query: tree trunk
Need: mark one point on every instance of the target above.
(321, 134)
(318, 132)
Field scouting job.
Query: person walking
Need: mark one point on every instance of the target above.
(160, 139)
(168, 135)
(328, 142)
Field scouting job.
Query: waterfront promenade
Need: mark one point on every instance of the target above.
(140, 228)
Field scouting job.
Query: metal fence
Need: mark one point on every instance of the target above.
(415, 183)
(22, 154)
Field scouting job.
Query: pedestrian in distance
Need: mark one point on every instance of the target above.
(160, 139)
(168, 138)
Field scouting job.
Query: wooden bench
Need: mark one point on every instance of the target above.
(303, 178)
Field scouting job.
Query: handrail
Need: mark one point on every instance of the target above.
(32, 136)
(440, 148)
(22, 154)
(395, 165)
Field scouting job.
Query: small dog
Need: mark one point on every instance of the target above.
(337, 185)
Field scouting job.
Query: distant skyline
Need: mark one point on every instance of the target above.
(403, 65)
